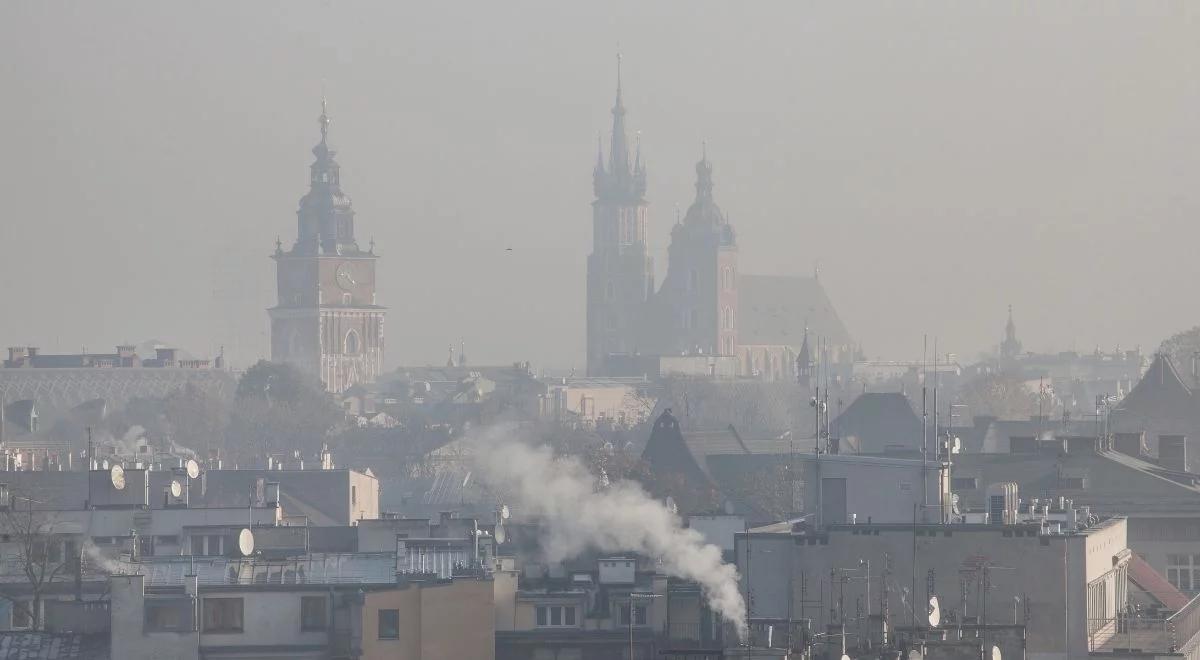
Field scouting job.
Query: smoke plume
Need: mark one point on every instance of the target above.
(577, 515)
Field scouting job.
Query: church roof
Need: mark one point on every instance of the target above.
(774, 310)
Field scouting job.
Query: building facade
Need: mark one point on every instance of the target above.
(327, 321)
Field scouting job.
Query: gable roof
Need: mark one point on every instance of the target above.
(876, 421)
(774, 310)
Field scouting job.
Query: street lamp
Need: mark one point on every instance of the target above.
(632, 597)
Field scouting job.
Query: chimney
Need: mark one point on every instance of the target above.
(1172, 452)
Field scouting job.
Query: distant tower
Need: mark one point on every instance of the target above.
(620, 272)
(804, 362)
(327, 321)
(1010, 348)
(699, 293)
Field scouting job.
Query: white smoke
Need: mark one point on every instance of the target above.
(100, 561)
(577, 516)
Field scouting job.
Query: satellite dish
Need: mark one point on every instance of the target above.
(996, 653)
(501, 535)
(672, 506)
(246, 542)
(117, 475)
(845, 657)
(176, 489)
(193, 469)
(505, 514)
(935, 612)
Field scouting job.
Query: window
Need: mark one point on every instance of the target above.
(312, 613)
(168, 615)
(554, 615)
(222, 615)
(1183, 571)
(1077, 483)
(354, 494)
(214, 545)
(352, 343)
(727, 278)
(389, 624)
(20, 614)
(964, 483)
(639, 615)
(346, 299)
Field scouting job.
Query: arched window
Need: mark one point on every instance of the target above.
(352, 343)
(727, 278)
(727, 318)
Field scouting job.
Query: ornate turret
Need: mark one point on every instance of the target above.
(326, 214)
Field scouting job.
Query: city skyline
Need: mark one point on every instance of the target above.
(185, 188)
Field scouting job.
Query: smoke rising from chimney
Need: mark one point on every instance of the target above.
(577, 514)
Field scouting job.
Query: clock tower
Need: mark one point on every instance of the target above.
(326, 320)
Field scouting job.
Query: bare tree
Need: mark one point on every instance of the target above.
(36, 556)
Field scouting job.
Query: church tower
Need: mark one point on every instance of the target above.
(1010, 348)
(620, 277)
(326, 321)
(699, 295)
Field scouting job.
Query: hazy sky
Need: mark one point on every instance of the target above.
(939, 159)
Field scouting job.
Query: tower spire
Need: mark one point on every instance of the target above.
(324, 119)
(619, 151)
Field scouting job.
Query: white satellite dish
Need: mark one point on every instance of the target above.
(117, 475)
(176, 489)
(246, 542)
(193, 469)
(935, 612)
(505, 514)
(672, 506)
(996, 653)
(501, 535)
(845, 657)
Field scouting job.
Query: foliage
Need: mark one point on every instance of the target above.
(1003, 396)
(1182, 347)
(277, 410)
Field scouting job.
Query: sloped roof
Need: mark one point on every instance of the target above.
(1153, 583)
(1161, 395)
(774, 310)
(876, 421)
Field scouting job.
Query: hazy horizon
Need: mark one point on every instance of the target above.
(939, 162)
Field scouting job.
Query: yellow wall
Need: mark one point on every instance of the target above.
(437, 622)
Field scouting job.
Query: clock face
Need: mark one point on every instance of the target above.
(345, 276)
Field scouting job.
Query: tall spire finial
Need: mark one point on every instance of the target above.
(704, 150)
(618, 73)
(324, 120)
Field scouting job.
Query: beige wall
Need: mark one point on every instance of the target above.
(129, 639)
(363, 497)
(437, 622)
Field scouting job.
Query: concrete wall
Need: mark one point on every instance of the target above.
(883, 490)
(129, 639)
(269, 618)
(1048, 575)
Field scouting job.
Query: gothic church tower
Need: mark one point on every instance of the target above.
(620, 277)
(327, 321)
